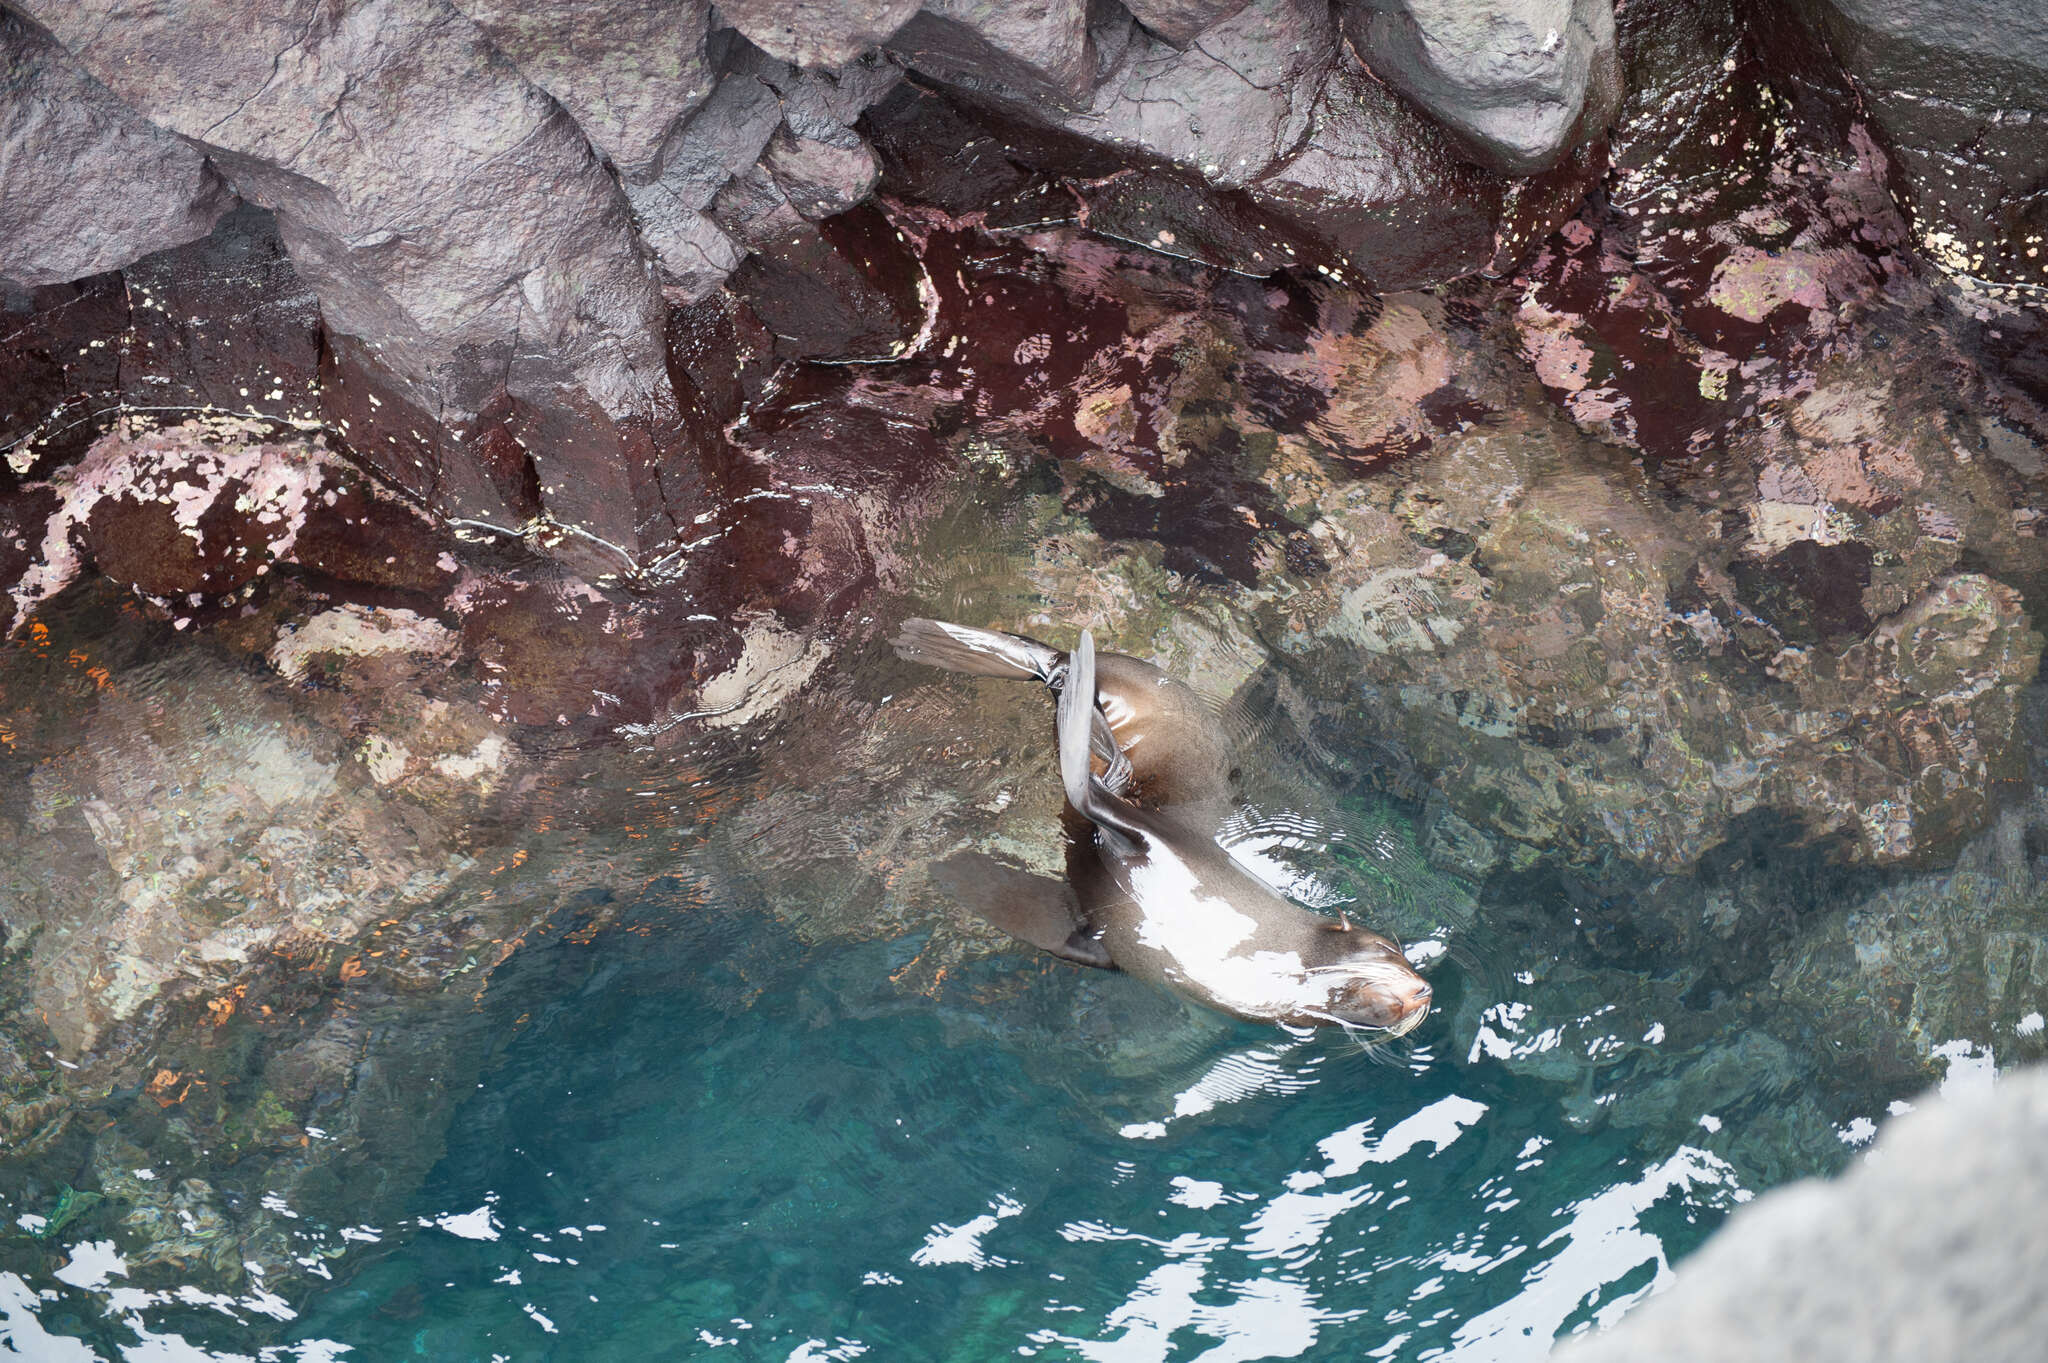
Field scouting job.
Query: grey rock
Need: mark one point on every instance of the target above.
(1382, 187)
(448, 214)
(695, 253)
(772, 147)
(1228, 109)
(2002, 31)
(624, 71)
(817, 32)
(817, 160)
(69, 152)
(755, 211)
(1180, 22)
(1930, 1248)
(819, 179)
(1520, 81)
(722, 139)
(821, 104)
(1040, 47)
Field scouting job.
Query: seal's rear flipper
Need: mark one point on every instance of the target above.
(978, 652)
(1090, 798)
(1034, 909)
(1116, 768)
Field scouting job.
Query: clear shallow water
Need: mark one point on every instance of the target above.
(703, 1139)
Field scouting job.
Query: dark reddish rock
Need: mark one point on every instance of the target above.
(555, 651)
(355, 536)
(376, 419)
(935, 152)
(723, 357)
(62, 367)
(222, 323)
(143, 545)
(845, 291)
(195, 512)
(90, 186)
(23, 517)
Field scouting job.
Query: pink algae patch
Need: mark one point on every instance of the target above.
(1561, 360)
(1752, 284)
(188, 469)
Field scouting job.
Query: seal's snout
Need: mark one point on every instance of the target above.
(1395, 1004)
(1412, 1005)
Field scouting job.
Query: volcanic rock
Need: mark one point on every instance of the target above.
(1519, 81)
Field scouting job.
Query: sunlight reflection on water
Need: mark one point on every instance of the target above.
(1241, 1222)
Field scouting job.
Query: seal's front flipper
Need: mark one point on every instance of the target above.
(1034, 909)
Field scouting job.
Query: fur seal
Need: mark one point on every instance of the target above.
(1173, 749)
(1149, 893)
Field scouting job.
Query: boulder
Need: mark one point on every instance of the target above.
(1042, 48)
(90, 186)
(1180, 22)
(771, 150)
(625, 72)
(817, 33)
(448, 214)
(1924, 1250)
(1257, 148)
(1520, 82)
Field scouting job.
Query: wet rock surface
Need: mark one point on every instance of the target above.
(1958, 94)
(1519, 83)
(1631, 572)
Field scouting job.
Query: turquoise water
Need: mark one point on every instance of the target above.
(772, 1104)
(701, 1139)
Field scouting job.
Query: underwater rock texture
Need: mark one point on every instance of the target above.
(1666, 564)
(1922, 1251)
(253, 883)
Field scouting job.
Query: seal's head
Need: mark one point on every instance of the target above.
(1369, 986)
